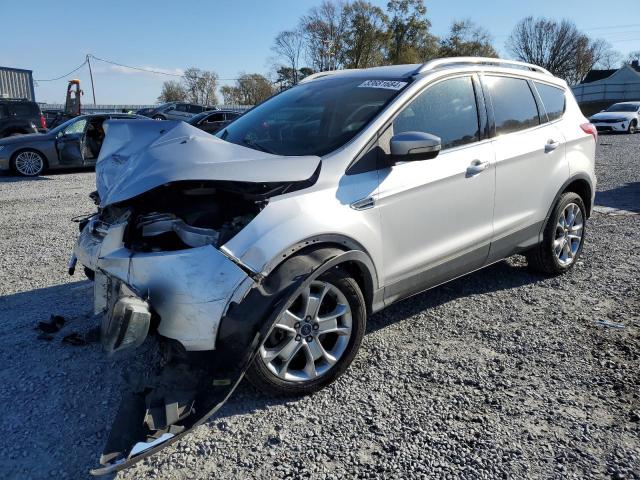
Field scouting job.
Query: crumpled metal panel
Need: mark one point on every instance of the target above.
(139, 155)
(189, 289)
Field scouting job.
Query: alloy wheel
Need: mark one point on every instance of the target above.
(568, 235)
(311, 335)
(29, 163)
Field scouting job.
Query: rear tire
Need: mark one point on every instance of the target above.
(563, 237)
(158, 117)
(272, 373)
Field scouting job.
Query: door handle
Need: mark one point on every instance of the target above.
(476, 167)
(551, 145)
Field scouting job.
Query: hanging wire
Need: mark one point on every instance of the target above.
(148, 70)
(65, 75)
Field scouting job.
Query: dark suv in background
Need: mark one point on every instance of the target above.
(20, 117)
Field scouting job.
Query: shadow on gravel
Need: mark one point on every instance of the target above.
(15, 179)
(625, 197)
(75, 390)
(10, 178)
(500, 276)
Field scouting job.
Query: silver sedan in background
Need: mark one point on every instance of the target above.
(75, 143)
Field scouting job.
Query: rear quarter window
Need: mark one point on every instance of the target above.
(514, 106)
(553, 100)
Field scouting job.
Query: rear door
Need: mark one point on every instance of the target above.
(530, 163)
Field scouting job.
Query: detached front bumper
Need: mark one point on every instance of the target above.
(189, 290)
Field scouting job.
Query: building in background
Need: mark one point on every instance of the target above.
(601, 88)
(16, 83)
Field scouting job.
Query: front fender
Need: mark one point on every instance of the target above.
(185, 394)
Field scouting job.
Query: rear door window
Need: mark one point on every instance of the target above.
(552, 99)
(514, 106)
(447, 109)
(181, 107)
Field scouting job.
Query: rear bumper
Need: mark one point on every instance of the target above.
(189, 290)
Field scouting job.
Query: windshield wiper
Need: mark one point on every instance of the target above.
(257, 146)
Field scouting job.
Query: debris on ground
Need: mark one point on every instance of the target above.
(609, 324)
(74, 339)
(55, 323)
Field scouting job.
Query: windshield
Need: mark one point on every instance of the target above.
(622, 107)
(64, 125)
(313, 118)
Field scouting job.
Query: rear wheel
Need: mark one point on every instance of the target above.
(563, 237)
(158, 117)
(315, 340)
(28, 163)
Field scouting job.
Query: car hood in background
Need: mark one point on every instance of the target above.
(613, 116)
(139, 155)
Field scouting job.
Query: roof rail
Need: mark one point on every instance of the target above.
(445, 62)
(325, 73)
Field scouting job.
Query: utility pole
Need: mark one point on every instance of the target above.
(93, 90)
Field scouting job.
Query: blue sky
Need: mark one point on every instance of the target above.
(51, 37)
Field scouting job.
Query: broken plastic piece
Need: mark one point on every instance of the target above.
(607, 323)
(142, 446)
(74, 339)
(55, 323)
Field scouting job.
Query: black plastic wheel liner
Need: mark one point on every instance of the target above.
(215, 373)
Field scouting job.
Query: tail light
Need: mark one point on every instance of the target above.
(43, 121)
(590, 129)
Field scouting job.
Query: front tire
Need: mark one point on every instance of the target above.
(28, 163)
(563, 237)
(633, 127)
(159, 117)
(315, 340)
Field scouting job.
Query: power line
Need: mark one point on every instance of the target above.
(149, 70)
(65, 75)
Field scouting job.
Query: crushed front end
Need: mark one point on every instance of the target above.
(169, 198)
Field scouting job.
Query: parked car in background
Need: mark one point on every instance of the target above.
(619, 117)
(264, 249)
(215, 120)
(177, 111)
(145, 111)
(19, 117)
(75, 143)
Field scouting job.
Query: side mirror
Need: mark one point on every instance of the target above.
(412, 146)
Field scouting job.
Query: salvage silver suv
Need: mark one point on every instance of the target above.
(264, 250)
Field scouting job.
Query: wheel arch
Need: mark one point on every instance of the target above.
(582, 187)
(31, 149)
(354, 258)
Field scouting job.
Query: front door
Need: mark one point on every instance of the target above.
(70, 143)
(437, 214)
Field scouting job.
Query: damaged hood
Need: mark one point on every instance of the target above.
(140, 155)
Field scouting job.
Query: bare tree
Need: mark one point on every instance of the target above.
(201, 86)
(366, 35)
(466, 39)
(289, 45)
(250, 89)
(557, 46)
(633, 56)
(172, 91)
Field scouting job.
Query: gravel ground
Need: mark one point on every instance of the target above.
(499, 374)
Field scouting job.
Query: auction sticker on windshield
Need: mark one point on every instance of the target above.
(388, 84)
